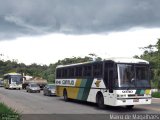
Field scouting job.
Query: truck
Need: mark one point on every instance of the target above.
(30, 79)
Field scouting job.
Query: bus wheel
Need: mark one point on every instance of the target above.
(100, 100)
(65, 96)
(129, 106)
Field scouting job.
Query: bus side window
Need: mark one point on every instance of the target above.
(87, 71)
(59, 73)
(64, 73)
(78, 71)
(97, 70)
(71, 72)
(5, 77)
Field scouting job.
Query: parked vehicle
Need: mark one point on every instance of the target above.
(1, 83)
(49, 90)
(33, 87)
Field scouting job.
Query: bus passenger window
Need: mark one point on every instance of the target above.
(64, 73)
(58, 73)
(87, 72)
(97, 70)
(71, 72)
(78, 71)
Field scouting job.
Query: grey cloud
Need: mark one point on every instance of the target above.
(35, 17)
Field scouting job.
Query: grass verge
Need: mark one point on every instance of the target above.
(156, 94)
(7, 113)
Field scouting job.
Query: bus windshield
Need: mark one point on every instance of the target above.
(16, 79)
(133, 76)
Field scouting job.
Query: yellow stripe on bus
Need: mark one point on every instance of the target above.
(72, 92)
(147, 91)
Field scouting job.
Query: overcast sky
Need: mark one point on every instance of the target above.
(44, 31)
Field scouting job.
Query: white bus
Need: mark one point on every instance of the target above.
(114, 82)
(13, 81)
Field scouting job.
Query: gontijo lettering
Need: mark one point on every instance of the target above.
(64, 82)
(68, 82)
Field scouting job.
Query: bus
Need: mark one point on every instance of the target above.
(114, 82)
(13, 81)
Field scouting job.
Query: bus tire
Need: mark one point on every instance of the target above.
(65, 95)
(100, 100)
(130, 107)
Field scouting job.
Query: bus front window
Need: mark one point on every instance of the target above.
(16, 79)
(126, 75)
(133, 76)
(142, 77)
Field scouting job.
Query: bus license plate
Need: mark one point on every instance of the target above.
(135, 100)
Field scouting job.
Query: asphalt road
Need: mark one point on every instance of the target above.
(38, 104)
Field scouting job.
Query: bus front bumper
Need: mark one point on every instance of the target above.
(15, 86)
(131, 101)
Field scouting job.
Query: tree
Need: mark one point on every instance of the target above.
(152, 54)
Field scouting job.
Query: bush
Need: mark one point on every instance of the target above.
(156, 94)
(7, 113)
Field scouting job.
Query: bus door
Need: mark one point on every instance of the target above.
(109, 80)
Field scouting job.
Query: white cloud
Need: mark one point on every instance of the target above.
(50, 48)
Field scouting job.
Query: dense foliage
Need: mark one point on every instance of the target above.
(156, 94)
(152, 54)
(44, 71)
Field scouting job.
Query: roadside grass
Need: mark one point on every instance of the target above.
(7, 113)
(156, 94)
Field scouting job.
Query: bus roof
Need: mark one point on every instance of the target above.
(116, 60)
(59, 66)
(128, 60)
(12, 74)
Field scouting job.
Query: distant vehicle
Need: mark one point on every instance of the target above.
(33, 87)
(49, 90)
(29, 79)
(1, 83)
(114, 82)
(13, 81)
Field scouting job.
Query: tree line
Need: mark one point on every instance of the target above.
(43, 71)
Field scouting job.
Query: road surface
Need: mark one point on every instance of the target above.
(37, 103)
